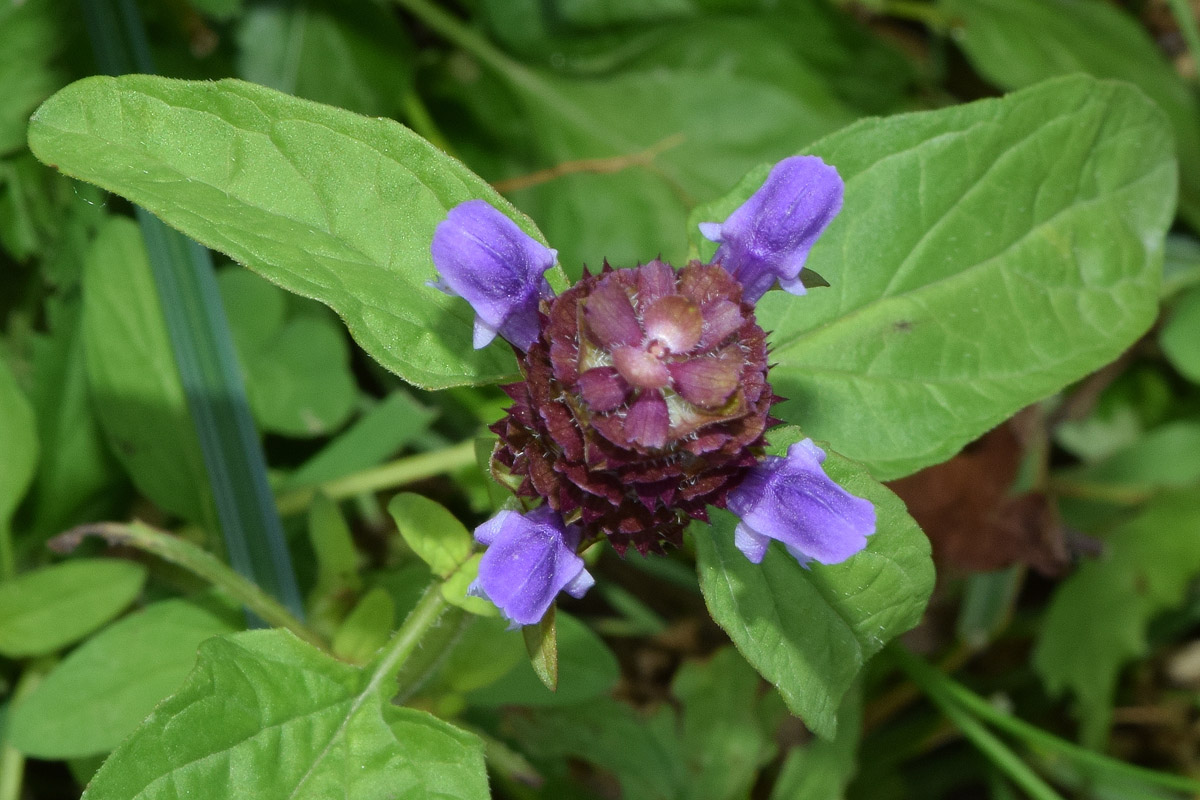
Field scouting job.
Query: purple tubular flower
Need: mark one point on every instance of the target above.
(792, 499)
(530, 558)
(482, 256)
(768, 237)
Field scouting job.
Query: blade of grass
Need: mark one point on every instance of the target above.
(204, 354)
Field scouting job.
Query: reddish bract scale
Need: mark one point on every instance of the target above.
(645, 400)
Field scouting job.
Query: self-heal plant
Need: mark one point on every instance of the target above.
(646, 395)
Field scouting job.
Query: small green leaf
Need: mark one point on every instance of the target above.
(366, 629)
(19, 446)
(1097, 620)
(454, 590)
(1180, 336)
(1166, 457)
(338, 559)
(810, 631)
(103, 690)
(294, 356)
(133, 379)
(220, 735)
(47, 609)
(722, 732)
(541, 643)
(321, 201)
(938, 326)
(587, 670)
(434, 534)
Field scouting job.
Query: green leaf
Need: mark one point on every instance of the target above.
(1180, 336)
(938, 325)
(376, 436)
(47, 609)
(1016, 43)
(455, 589)
(541, 644)
(587, 670)
(1166, 457)
(133, 379)
(351, 55)
(295, 359)
(722, 731)
(1097, 620)
(434, 534)
(323, 202)
(220, 735)
(35, 33)
(366, 629)
(810, 631)
(19, 446)
(103, 690)
(337, 558)
(822, 769)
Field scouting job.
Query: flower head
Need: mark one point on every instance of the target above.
(767, 239)
(645, 396)
(530, 559)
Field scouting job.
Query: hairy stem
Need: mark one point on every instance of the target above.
(195, 560)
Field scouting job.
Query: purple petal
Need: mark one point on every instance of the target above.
(611, 317)
(648, 420)
(603, 389)
(674, 321)
(530, 559)
(768, 237)
(792, 500)
(707, 381)
(482, 256)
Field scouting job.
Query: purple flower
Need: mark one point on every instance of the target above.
(530, 558)
(768, 237)
(483, 257)
(792, 499)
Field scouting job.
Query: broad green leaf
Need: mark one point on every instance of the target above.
(19, 446)
(47, 609)
(1097, 620)
(323, 202)
(103, 690)
(35, 33)
(587, 670)
(986, 256)
(351, 55)
(455, 589)
(810, 631)
(434, 534)
(132, 377)
(366, 628)
(294, 356)
(821, 769)
(239, 727)
(721, 730)
(1016, 43)
(1180, 336)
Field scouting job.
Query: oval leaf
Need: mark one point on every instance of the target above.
(326, 203)
(47, 609)
(434, 534)
(809, 631)
(986, 256)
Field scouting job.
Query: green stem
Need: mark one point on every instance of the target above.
(12, 760)
(387, 476)
(1036, 737)
(195, 560)
(423, 618)
(933, 683)
(1182, 9)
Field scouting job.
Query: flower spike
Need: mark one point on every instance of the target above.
(482, 256)
(530, 558)
(792, 499)
(768, 237)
